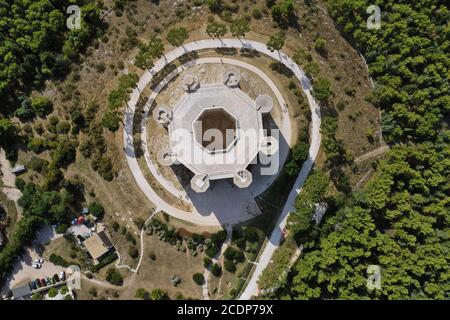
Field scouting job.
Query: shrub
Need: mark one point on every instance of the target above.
(20, 184)
(139, 222)
(133, 252)
(152, 256)
(256, 13)
(207, 262)
(114, 277)
(64, 290)
(319, 45)
(158, 294)
(198, 279)
(229, 266)
(42, 105)
(141, 293)
(96, 209)
(251, 235)
(52, 292)
(212, 251)
(115, 226)
(130, 238)
(63, 127)
(322, 90)
(58, 260)
(216, 270)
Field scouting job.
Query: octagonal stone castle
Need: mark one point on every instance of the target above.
(216, 130)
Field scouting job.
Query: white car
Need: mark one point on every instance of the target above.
(40, 261)
(37, 265)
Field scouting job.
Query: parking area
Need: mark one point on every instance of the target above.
(24, 272)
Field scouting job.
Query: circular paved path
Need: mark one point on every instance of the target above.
(260, 182)
(276, 235)
(145, 79)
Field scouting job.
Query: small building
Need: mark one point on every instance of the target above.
(18, 169)
(21, 292)
(98, 246)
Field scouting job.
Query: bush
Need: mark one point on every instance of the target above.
(251, 235)
(42, 106)
(139, 222)
(114, 277)
(152, 256)
(212, 251)
(130, 238)
(52, 292)
(115, 226)
(207, 262)
(141, 293)
(58, 260)
(256, 13)
(96, 209)
(198, 279)
(234, 255)
(322, 90)
(229, 266)
(133, 252)
(320, 46)
(216, 270)
(158, 294)
(20, 184)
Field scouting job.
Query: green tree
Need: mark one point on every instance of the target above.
(177, 36)
(216, 29)
(239, 27)
(276, 41)
(198, 279)
(96, 209)
(111, 121)
(158, 294)
(322, 90)
(42, 105)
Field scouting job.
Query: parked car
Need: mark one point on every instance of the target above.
(48, 280)
(33, 285)
(56, 278)
(43, 282)
(62, 275)
(38, 283)
(39, 260)
(36, 265)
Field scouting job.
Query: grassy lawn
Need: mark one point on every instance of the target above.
(158, 273)
(68, 250)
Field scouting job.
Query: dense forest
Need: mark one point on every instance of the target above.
(400, 219)
(36, 45)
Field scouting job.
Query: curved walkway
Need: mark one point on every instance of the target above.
(145, 79)
(124, 266)
(215, 259)
(260, 184)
